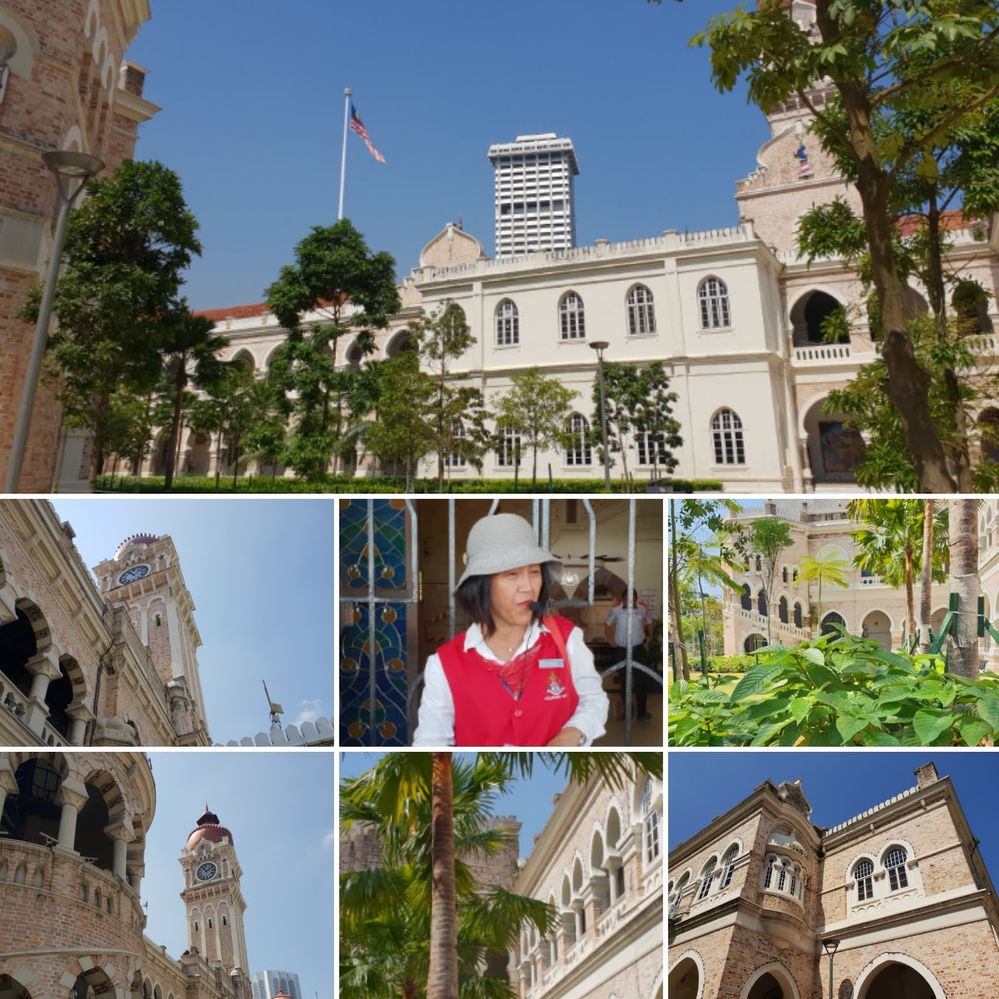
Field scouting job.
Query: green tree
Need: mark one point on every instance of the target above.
(822, 568)
(769, 537)
(703, 546)
(536, 408)
(652, 415)
(385, 910)
(890, 544)
(398, 434)
(190, 352)
(882, 59)
(348, 288)
(233, 406)
(456, 412)
(127, 246)
(406, 779)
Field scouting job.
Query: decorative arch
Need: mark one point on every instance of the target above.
(243, 359)
(11, 988)
(873, 968)
(713, 302)
(829, 619)
(809, 312)
(834, 450)
(686, 976)
(876, 626)
(596, 851)
(641, 309)
(400, 343)
(571, 317)
(506, 319)
(779, 973)
(753, 642)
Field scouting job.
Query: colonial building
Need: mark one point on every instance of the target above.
(735, 315)
(899, 894)
(82, 664)
(67, 87)
(598, 861)
(866, 606)
(72, 857)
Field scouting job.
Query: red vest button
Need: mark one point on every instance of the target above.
(517, 713)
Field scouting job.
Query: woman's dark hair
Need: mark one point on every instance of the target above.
(473, 598)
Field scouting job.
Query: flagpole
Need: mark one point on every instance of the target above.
(343, 153)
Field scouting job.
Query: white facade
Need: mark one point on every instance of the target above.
(533, 190)
(267, 984)
(599, 862)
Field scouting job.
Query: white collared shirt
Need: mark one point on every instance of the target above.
(436, 722)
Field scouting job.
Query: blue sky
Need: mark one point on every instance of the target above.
(530, 801)
(252, 98)
(261, 575)
(839, 785)
(279, 808)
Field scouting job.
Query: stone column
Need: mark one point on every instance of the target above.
(120, 833)
(577, 911)
(79, 715)
(612, 864)
(72, 796)
(44, 669)
(135, 879)
(8, 782)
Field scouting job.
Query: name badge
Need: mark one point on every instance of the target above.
(552, 664)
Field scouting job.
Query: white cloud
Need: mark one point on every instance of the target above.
(309, 711)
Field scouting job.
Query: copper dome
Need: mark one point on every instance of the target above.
(209, 829)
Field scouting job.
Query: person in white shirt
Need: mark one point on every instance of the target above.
(630, 640)
(517, 676)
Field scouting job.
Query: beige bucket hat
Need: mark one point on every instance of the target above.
(499, 542)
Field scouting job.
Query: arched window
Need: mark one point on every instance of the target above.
(650, 823)
(782, 610)
(784, 575)
(726, 433)
(863, 874)
(761, 603)
(571, 317)
(455, 459)
(728, 865)
(579, 451)
(713, 296)
(508, 451)
(641, 312)
(797, 615)
(894, 862)
(746, 597)
(769, 876)
(507, 324)
(651, 447)
(707, 876)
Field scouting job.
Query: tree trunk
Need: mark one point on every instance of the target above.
(926, 578)
(218, 461)
(100, 434)
(963, 658)
(174, 442)
(675, 621)
(908, 382)
(442, 977)
(910, 603)
(534, 465)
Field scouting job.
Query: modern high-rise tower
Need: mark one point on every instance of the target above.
(268, 984)
(534, 181)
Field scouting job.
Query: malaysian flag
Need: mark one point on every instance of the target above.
(358, 126)
(804, 168)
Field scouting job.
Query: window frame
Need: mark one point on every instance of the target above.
(506, 324)
(728, 439)
(641, 311)
(714, 305)
(571, 318)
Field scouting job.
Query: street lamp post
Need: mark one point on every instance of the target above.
(72, 171)
(831, 946)
(600, 346)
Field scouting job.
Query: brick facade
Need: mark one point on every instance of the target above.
(77, 664)
(71, 864)
(900, 888)
(68, 89)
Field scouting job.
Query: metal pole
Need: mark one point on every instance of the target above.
(603, 420)
(343, 151)
(19, 444)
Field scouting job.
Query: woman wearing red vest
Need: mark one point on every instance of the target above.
(516, 677)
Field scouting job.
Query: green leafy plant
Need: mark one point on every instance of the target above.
(839, 690)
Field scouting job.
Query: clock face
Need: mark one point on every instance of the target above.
(131, 575)
(206, 871)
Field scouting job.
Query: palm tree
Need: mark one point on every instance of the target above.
(964, 581)
(823, 568)
(189, 341)
(891, 544)
(405, 789)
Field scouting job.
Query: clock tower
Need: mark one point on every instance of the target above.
(213, 898)
(144, 576)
